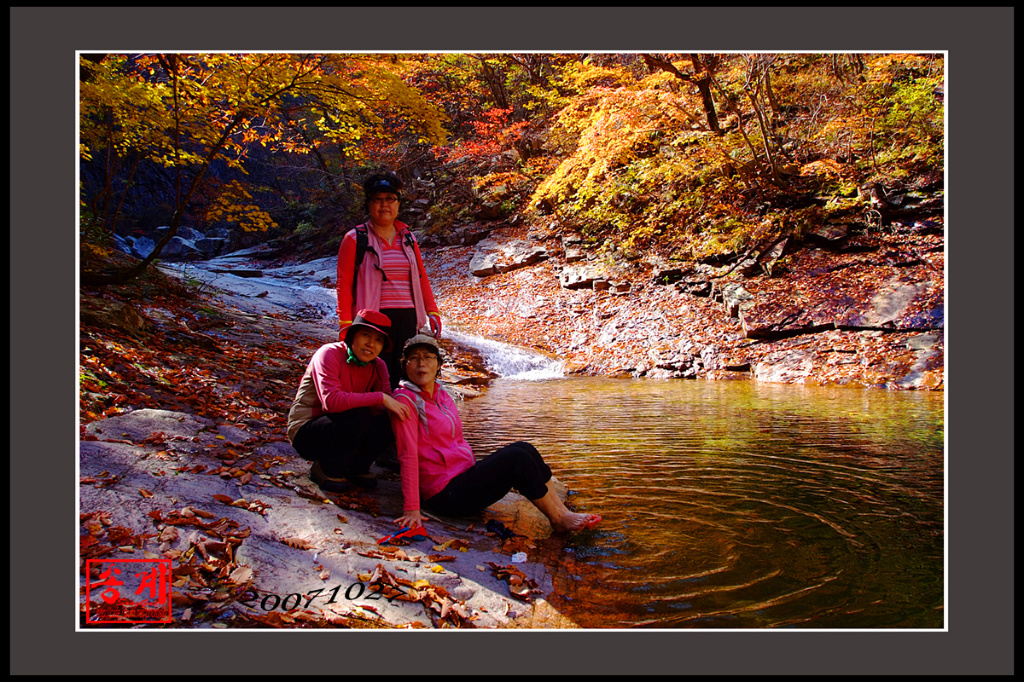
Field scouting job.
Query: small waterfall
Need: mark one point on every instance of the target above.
(507, 361)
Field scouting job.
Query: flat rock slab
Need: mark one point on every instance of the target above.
(170, 485)
(839, 301)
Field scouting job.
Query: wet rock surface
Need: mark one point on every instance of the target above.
(854, 301)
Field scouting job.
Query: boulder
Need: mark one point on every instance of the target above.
(483, 264)
(785, 367)
(211, 247)
(574, 256)
(142, 247)
(180, 249)
(898, 305)
(831, 234)
(123, 244)
(491, 258)
(736, 298)
(582, 277)
(184, 232)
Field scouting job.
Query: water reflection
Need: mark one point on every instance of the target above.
(737, 505)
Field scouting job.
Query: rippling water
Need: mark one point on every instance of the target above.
(734, 504)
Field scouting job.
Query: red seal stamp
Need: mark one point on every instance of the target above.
(128, 591)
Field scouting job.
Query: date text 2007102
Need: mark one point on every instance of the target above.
(271, 601)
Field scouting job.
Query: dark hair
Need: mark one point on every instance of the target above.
(382, 182)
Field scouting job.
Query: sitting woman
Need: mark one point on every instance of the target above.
(338, 418)
(438, 465)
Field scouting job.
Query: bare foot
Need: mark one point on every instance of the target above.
(572, 522)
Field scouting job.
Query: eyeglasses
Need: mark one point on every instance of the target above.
(380, 201)
(421, 359)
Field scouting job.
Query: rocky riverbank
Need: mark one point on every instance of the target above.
(183, 459)
(837, 307)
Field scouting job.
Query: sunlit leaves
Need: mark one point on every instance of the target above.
(234, 205)
(185, 111)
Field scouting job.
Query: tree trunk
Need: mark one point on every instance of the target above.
(704, 87)
(703, 83)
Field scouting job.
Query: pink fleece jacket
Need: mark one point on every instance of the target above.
(330, 384)
(369, 278)
(431, 448)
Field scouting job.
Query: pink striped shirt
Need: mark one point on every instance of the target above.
(396, 291)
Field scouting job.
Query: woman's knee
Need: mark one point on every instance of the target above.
(528, 453)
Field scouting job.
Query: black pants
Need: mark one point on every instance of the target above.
(403, 328)
(345, 443)
(516, 467)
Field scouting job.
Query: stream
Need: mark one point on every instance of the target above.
(734, 504)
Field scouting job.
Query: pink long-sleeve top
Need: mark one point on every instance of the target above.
(431, 447)
(330, 384)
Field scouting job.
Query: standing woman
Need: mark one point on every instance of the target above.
(387, 274)
(439, 470)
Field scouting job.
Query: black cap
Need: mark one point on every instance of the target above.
(382, 182)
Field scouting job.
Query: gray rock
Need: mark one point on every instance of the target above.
(142, 469)
(184, 232)
(483, 264)
(491, 258)
(582, 277)
(142, 247)
(736, 299)
(180, 249)
(211, 247)
(786, 367)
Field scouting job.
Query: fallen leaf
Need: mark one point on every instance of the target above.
(298, 543)
(241, 575)
(325, 574)
(440, 557)
(437, 569)
(145, 493)
(223, 498)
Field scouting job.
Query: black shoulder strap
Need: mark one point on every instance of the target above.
(362, 243)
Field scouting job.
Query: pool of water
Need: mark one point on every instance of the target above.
(736, 504)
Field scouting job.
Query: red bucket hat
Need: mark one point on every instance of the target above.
(378, 322)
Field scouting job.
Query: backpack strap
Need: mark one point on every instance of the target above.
(362, 243)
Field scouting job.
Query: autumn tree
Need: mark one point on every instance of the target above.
(721, 153)
(185, 112)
